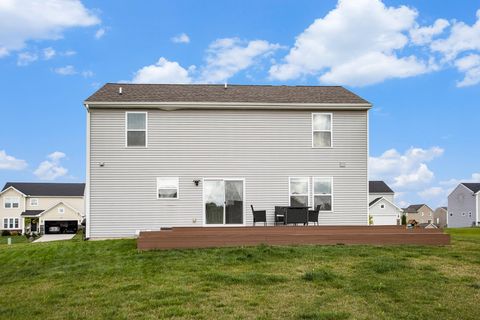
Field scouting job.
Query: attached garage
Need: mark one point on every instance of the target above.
(60, 219)
(59, 226)
(384, 213)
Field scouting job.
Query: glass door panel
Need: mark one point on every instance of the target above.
(214, 195)
(233, 202)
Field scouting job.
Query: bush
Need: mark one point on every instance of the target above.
(404, 220)
(5, 233)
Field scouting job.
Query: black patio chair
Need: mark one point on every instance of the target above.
(279, 215)
(313, 215)
(296, 215)
(259, 216)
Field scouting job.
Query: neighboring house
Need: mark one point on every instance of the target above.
(200, 155)
(440, 217)
(382, 208)
(463, 205)
(420, 213)
(41, 207)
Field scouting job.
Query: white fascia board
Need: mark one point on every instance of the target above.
(227, 105)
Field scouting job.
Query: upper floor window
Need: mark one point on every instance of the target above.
(136, 127)
(321, 130)
(61, 210)
(33, 202)
(11, 202)
(382, 206)
(322, 193)
(167, 188)
(299, 192)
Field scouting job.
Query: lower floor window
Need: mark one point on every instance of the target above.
(167, 188)
(320, 195)
(10, 223)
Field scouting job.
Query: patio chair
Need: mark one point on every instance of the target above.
(296, 215)
(279, 215)
(313, 215)
(259, 216)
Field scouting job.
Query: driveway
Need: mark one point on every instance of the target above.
(54, 237)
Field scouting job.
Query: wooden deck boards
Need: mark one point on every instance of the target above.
(208, 237)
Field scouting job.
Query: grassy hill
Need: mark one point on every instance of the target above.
(112, 280)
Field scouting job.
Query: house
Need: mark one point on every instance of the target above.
(463, 205)
(41, 207)
(440, 217)
(420, 213)
(382, 208)
(161, 155)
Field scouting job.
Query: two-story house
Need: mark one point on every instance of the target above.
(382, 208)
(464, 205)
(163, 155)
(41, 207)
(419, 213)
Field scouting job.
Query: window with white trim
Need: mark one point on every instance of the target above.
(299, 191)
(322, 193)
(167, 188)
(11, 223)
(33, 202)
(321, 130)
(382, 206)
(11, 202)
(61, 210)
(469, 214)
(136, 129)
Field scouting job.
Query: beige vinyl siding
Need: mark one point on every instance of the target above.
(12, 212)
(263, 147)
(45, 203)
(53, 214)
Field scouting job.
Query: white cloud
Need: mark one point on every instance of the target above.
(51, 168)
(462, 38)
(163, 71)
(69, 53)
(8, 162)
(87, 74)
(100, 33)
(225, 57)
(65, 71)
(48, 53)
(21, 21)
(470, 65)
(404, 170)
(432, 192)
(357, 40)
(181, 38)
(25, 58)
(424, 35)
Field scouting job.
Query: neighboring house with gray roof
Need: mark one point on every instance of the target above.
(165, 155)
(463, 205)
(382, 208)
(41, 207)
(421, 213)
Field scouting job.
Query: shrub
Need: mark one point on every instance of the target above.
(5, 233)
(404, 220)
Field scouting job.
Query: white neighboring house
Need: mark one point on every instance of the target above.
(464, 205)
(382, 208)
(41, 207)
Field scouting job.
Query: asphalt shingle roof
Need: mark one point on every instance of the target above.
(32, 212)
(48, 189)
(374, 201)
(413, 208)
(217, 93)
(379, 187)
(475, 187)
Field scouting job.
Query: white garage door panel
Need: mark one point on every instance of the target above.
(384, 220)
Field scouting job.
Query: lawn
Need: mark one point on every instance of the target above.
(111, 280)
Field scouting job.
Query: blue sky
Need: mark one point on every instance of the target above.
(418, 62)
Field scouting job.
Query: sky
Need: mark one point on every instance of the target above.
(417, 62)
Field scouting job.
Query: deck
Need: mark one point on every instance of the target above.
(210, 237)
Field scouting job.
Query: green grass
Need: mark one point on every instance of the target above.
(15, 240)
(112, 280)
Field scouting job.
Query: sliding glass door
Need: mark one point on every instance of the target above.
(223, 201)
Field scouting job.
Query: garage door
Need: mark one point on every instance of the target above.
(53, 226)
(384, 220)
